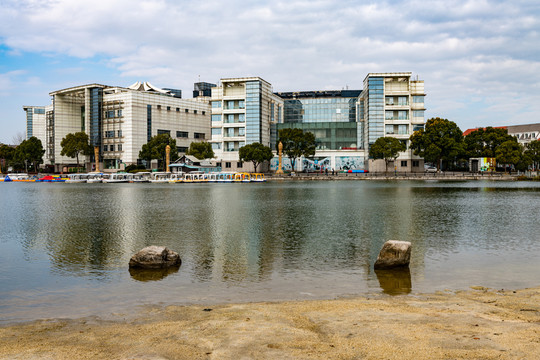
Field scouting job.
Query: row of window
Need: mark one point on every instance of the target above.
(111, 133)
(230, 118)
(195, 111)
(111, 147)
(182, 134)
(110, 114)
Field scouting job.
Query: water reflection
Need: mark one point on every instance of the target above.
(395, 281)
(152, 274)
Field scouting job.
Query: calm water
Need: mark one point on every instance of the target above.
(65, 247)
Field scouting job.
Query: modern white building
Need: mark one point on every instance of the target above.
(347, 122)
(119, 120)
(392, 105)
(243, 110)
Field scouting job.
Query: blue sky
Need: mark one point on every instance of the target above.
(480, 59)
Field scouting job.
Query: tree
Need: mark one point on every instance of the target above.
(297, 143)
(7, 153)
(30, 150)
(533, 151)
(201, 150)
(441, 139)
(509, 152)
(484, 142)
(387, 148)
(155, 148)
(257, 153)
(75, 144)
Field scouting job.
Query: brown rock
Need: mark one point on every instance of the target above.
(155, 257)
(394, 254)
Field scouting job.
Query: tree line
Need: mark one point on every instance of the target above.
(441, 141)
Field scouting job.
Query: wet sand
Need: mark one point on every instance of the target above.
(476, 324)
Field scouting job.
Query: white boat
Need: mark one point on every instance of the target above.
(141, 177)
(77, 178)
(118, 178)
(96, 178)
(160, 177)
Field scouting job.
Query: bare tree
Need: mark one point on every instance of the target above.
(18, 138)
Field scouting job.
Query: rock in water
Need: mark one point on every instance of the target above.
(155, 257)
(394, 254)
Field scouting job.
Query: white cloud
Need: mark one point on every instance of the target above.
(463, 49)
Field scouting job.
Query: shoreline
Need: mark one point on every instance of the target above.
(475, 323)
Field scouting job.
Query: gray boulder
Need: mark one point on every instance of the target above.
(155, 257)
(394, 254)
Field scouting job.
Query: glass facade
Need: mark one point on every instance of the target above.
(375, 98)
(29, 122)
(311, 110)
(96, 101)
(329, 135)
(253, 112)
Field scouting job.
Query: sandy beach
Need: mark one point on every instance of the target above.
(479, 323)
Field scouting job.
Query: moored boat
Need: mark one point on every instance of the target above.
(160, 177)
(118, 178)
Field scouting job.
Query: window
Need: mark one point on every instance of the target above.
(230, 104)
(168, 108)
(216, 146)
(418, 113)
(230, 118)
(417, 127)
(403, 163)
(181, 134)
(109, 114)
(111, 147)
(216, 131)
(120, 113)
(241, 132)
(389, 101)
(181, 149)
(161, 132)
(418, 99)
(109, 134)
(194, 111)
(227, 164)
(177, 109)
(239, 164)
(119, 133)
(159, 107)
(389, 129)
(403, 115)
(241, 104)
(204, 112)
(241, 118)
(403, 129)
(187, 110)
(39, 111)
(199, 135)
(403, 100)
(105, 148)
(119, 147)
(216, 104)
(230, 132)
(415, 163)
(216, 117)
(389, 115)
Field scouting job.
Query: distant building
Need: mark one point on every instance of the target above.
(118, 120)
(523, 133)
(243, 112)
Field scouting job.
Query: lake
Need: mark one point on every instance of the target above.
(65, 247)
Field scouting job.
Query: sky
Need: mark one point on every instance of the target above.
(480, 59)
